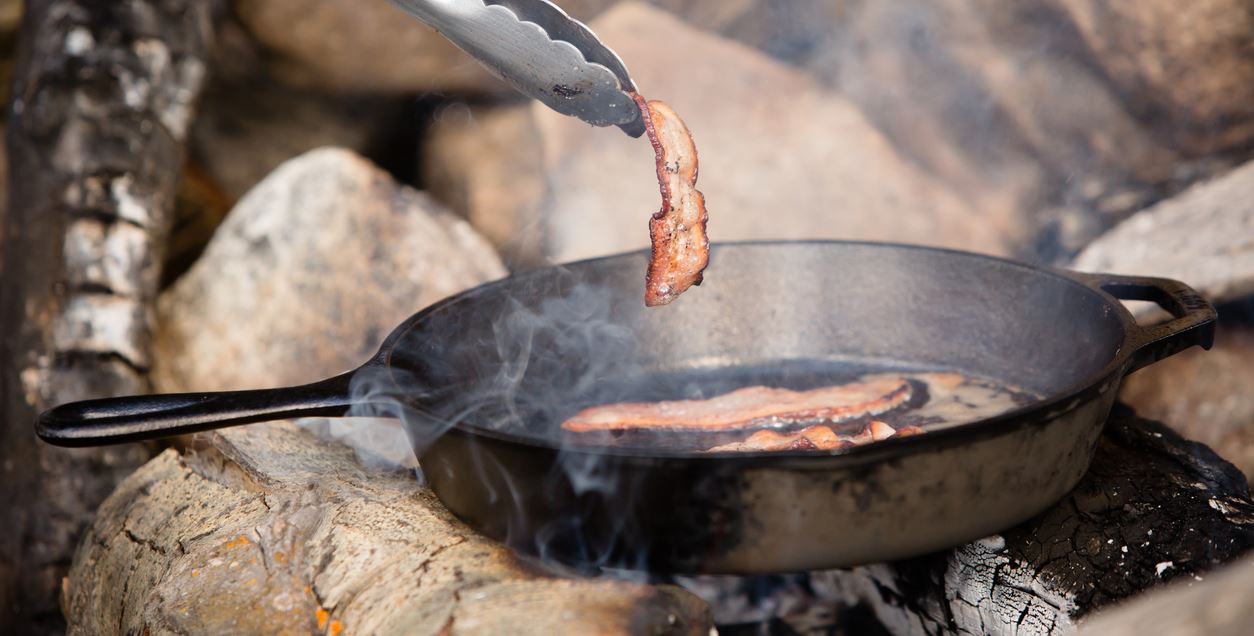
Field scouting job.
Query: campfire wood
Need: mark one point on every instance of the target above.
(1062, 335)
(1153, 508)
(103, 94)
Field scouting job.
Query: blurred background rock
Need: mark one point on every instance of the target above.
(1024, 129)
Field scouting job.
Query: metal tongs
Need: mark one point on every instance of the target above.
(539, 50)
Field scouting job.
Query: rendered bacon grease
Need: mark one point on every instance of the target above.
(681, 249)
(750, 407)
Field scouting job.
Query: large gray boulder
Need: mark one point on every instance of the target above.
(1203, 237)
(1184, 65)
(370, 45)
(999, 100)
(308, 274)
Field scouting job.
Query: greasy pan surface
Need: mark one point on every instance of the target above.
(483, 379)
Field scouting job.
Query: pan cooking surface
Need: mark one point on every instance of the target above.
(939, 398)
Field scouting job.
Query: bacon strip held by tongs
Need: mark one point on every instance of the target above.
(681, 249)
(750, 407)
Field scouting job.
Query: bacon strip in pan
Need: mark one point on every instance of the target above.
(681, 249)
(814, 438)
(750, 407)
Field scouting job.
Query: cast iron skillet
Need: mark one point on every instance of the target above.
(482, 379)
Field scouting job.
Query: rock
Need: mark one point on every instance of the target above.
(1201, 237)
(10, 21)
(359, 46)
(1205, 395)
(266, 529)
(373, 46)
(249, 123)
(1220, 604)
(308, 274)
(484, 163)
(998, 100)
(1153, 508)
(248, 129)
(781, 158)
(4, 187)
(787, 31)
(1185, 66)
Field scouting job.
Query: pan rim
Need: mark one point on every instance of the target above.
(1051, 407)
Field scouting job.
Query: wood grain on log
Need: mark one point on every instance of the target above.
(1152, 508)
(267, 529)
(101, 103)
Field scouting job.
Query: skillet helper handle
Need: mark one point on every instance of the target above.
(143, 417)
(1192, 323)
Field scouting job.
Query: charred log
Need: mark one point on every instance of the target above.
(102, 98)
(1153, 508)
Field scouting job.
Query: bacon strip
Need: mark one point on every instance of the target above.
(681, 249)
(874, 432)
(749, 407)
(814, 438)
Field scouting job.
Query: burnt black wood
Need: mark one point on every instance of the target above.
(538, 345)
(101, 95)
(1153, 509)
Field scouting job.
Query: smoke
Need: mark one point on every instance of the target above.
(375, 426)
(522, 366)
(379, 443)
(569, 345)
(545, 361)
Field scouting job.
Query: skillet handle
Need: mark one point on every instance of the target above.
(143, 417)
(1192, 323)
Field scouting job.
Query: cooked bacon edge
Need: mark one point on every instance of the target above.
(750, 407)
(681, 249)
(817, 437)
(874, 432)
(814, 438)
